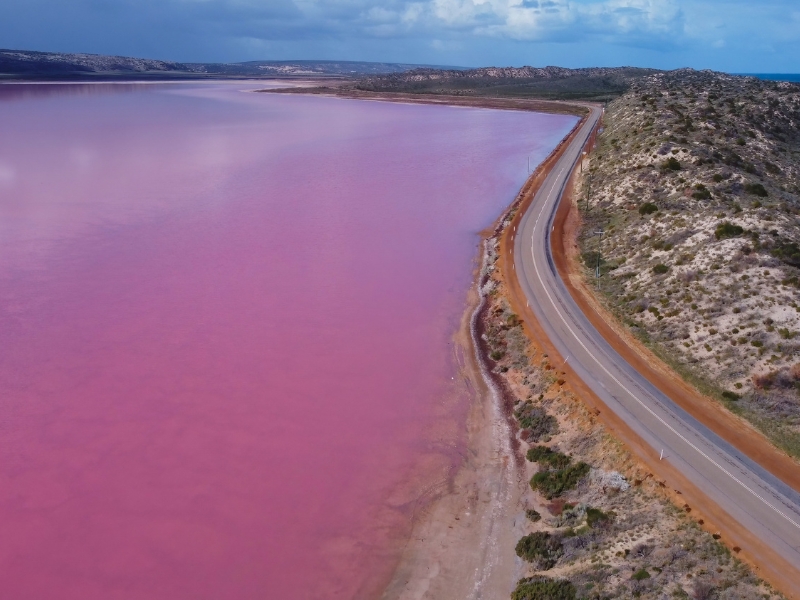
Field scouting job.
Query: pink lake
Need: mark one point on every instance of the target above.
(225, 332)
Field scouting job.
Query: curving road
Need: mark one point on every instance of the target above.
(761, 503)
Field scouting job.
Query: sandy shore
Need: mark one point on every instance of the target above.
(462, 545)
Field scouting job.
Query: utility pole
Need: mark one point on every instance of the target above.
(599, 247)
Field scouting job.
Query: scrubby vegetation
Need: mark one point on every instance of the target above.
(596, 525)
(552, 484)
(711, 279)
(543, 588)
(515, 82)
(548, 457)
(541, 548)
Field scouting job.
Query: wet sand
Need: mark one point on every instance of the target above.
(462, 545)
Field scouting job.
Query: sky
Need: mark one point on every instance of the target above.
(754, 36)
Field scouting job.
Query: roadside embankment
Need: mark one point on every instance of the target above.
(679, 490)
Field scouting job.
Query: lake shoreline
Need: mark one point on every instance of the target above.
(462, 544)
(523, 104)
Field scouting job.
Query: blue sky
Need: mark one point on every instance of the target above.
(727, 35)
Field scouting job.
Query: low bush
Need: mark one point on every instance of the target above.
(552, 484)
(727, 230)
(671, 164)
(543, 588)
(541, 548)
(730, 396)
(640, 575)
(756, 189)
(660, 269)
(787, 252)
(701, 192)
(536, 422)
(547, 457)
(596, 518)
(533, 515)
(648, 208)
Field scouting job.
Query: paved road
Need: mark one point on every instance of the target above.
(756, 499)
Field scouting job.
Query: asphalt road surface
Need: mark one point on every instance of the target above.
(760, 502)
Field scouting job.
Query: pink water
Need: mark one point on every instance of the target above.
(225, 332)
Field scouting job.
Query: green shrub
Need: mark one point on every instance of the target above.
(596, 517)
(787, 252)
(702, 192)
(536, 422)
(648, 208)
(671, 164)
(552, 484)
(533, 515)
(757, 343)
(543, 588)
(497, 355)
(756, 189)
(540, 547)
(787, 334)
(660, 269)
(640, 574)
(730, 396)
(547, 457)
(717, 177)
(727, 230)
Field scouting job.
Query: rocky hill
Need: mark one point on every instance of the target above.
(547, 82)
(696, 184)
(30, 63)
(47, 65)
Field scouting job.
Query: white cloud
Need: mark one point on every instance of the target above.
(660, 33)
(634, 21)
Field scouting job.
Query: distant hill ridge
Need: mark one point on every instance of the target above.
(44, 65)
(594, 83)
(527, 72)
(27, 61)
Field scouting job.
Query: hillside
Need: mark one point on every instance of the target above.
(28, 63)
(19, 64)
(594, 523)
(696, 185)
(546, 83)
